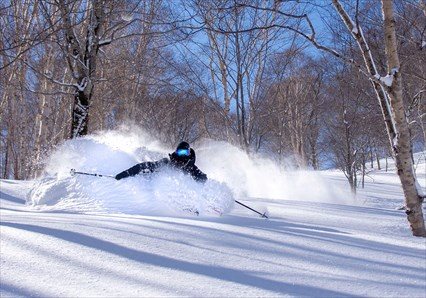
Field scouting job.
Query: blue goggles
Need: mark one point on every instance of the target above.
(182, 152)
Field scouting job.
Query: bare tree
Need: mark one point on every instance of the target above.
(291, 103)
(237, 60)
(389, 93)
(84, 27)
(15, 102)
(388, 90)
(81, 52)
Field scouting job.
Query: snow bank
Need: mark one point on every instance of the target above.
(168, 192)
(232, 175)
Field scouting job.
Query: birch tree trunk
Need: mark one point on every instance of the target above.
(42, 117)
(401, 143)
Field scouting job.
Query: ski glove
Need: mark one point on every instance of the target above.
(122, 175)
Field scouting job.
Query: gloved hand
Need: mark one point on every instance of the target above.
(201, 178)
(121, 175)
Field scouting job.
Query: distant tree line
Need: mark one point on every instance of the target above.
(248, 72)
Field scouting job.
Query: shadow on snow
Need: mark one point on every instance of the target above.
(221, 273)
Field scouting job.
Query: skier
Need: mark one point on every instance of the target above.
(183, 159)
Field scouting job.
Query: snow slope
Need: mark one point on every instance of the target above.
(321, 245)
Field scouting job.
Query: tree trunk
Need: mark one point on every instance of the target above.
(378, 161)
(43, 114)
(401, 143)
(355, 177)
(363, 169)
(7, 158)
(80, 114)
(386, 159)
(82, 60)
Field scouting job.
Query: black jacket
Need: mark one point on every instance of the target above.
(173, 161)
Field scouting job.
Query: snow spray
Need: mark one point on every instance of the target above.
(257, 177)
(232, 175)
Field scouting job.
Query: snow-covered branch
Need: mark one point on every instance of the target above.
(388, 79)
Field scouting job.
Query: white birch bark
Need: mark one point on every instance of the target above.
(401, 143)
(42, 117)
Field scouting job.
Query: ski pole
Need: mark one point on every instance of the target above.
(73, 172)
(263, 215)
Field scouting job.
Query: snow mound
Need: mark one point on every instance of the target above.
(167, 192)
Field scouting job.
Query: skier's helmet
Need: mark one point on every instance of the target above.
(182, 150)
(183, 155)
